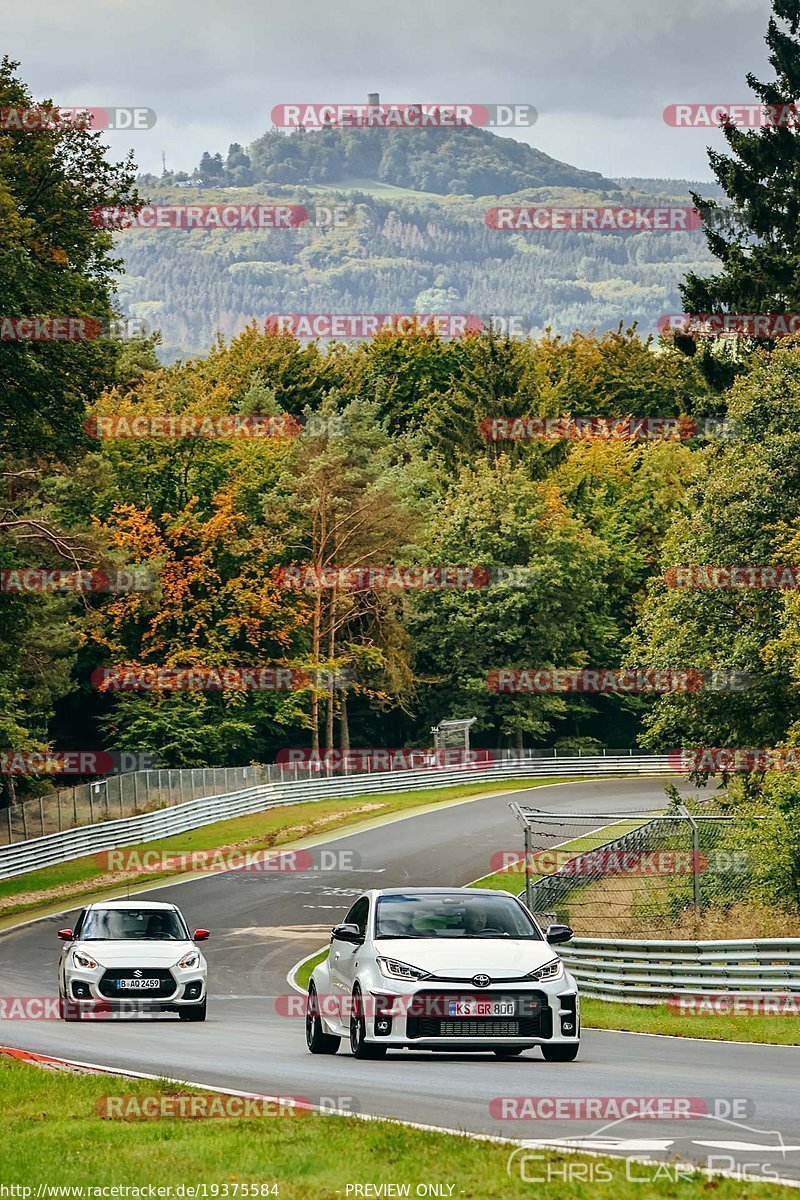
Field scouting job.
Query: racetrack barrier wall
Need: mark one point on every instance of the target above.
(650, 972)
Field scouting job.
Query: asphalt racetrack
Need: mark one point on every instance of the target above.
(263, 923)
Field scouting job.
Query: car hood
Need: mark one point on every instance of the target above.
(457, 958)
(135, 953)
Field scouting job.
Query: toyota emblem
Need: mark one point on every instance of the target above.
(481, 980)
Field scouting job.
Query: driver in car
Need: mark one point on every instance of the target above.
(475, 920)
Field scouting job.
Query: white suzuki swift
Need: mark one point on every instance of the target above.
(132, 956)
(456, 969)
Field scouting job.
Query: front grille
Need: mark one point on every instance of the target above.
(478, 1027)
(165, 984)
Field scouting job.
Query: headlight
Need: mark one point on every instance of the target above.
(191, 960)
(392, 969)
(83, 960)
(552, 970)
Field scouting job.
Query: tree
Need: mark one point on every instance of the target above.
(348, 504)
(55, 261)
(497, 515)
(740, 511)
(757, 238)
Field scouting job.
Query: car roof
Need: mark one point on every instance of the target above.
(438, 891)
(133, 903)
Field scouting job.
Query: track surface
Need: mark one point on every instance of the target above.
(262, 924)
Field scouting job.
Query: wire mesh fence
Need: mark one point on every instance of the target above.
(124, 795)
(632, 875)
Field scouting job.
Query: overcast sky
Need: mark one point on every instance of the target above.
(599, 72)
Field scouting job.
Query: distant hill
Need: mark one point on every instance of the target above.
(464, 161)
(673, 187)
(407, 253)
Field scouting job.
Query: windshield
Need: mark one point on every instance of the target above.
(144, 924)
(453, 916)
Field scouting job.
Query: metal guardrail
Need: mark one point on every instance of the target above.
(30, 855)
(650, 972)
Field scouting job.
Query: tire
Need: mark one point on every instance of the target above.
(359, 1046)
(317, 1040)
(196, 1012)
(68, 1010)
(566, 1053)
(512, 1052)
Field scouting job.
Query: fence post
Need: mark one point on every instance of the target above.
(10, 827)
(119, 792)
(135, 792)
(528, 879)
(74, 805)
(91, 804)
(41, 814)
(58, 804)
(683, 810)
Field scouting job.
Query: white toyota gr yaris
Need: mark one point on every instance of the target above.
(132, 956)
(455, 969)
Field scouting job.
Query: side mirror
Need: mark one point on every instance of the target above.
(65, 935)
(201, 935)
(558, 933)
(347, 933)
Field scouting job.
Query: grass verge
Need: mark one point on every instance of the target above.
(55, 1137)
(658, 1018)
(66, 884)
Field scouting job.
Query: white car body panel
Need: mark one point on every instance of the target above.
(454, 962)
(88, 989)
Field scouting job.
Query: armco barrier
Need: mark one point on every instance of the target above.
(649, 972)
(39, 852)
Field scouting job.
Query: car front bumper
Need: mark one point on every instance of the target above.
(96, 990)
(426, 1016)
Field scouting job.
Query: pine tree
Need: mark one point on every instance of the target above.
(757, 236)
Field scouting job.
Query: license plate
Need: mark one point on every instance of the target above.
(481, 1008)
(137, 984)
